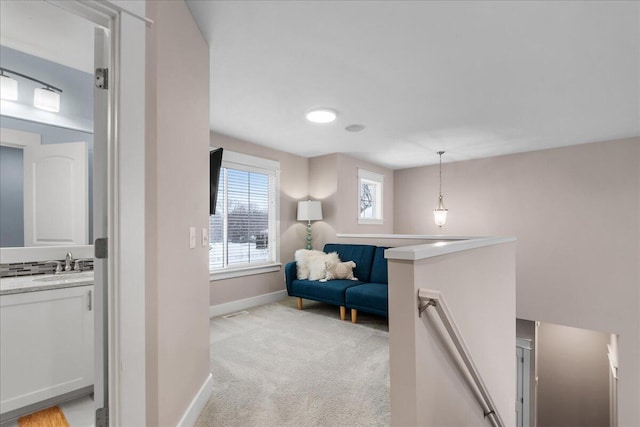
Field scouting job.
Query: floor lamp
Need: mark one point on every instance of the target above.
(309, 211)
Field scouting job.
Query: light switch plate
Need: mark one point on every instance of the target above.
(192, 237)
(205, 237)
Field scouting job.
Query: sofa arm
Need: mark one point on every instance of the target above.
(290, 274)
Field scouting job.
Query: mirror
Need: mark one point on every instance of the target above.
(37, 50)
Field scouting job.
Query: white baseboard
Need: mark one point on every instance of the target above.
(233, 306)
(197, 404)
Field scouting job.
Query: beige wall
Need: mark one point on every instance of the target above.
(427, 386)
(323, 186)
(573, 377)
(575, 212)
(333, 179)
(294, 184)
(177, 172)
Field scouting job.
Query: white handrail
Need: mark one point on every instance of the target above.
(430, 298)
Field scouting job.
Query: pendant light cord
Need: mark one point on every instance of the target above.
(440, 153)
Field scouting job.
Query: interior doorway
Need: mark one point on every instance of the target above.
(65, 45)
(572, 374)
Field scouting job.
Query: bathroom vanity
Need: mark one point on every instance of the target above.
(46, 332)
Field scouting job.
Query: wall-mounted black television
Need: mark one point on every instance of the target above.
(215, 163)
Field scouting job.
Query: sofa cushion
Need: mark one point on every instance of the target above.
(379, 271)
(369, 297)
(362, 255)
(331, 292)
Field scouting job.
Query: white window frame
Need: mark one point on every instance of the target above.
(234, 160)
(365, 176)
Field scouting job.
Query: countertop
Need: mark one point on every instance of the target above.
(44, 282)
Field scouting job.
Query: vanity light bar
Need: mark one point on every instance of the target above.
(46, 98)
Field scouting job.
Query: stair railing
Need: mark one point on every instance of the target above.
(431, 298)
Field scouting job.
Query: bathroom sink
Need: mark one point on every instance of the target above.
(66, 277)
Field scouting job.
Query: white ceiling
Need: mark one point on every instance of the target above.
(475, 79)
(47, 31)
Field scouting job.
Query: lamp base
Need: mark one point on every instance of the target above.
(309, 247)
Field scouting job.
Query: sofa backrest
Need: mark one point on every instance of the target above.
(362, 255)
(379, 270)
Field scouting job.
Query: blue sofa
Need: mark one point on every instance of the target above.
(368, 294)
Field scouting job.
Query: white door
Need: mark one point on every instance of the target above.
(55, 194)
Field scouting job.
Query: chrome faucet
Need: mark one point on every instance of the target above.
(68, 260)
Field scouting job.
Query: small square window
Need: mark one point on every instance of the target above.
(370, 187)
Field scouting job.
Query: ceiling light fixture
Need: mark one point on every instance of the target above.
(46, 98)
(321, 115)
(440, 214)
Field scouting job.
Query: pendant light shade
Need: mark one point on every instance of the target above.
(440, 213)
(8, 88)
(46, 99)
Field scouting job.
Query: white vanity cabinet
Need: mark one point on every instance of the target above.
(46, 344)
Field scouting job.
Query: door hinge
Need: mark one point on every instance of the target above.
(102, 78)
(101, 248)
(102, 417)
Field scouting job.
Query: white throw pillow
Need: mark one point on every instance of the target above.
(302, 260)
(318, 265)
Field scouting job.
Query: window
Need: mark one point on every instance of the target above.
(243, 234)
(369, 197)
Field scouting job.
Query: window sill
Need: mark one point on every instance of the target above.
(244, 271)
(370, 221)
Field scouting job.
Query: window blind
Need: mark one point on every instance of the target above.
(240, 229)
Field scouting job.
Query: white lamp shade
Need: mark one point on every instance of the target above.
(8, 88)
(440, 216)
(309, 211)
(46, 99)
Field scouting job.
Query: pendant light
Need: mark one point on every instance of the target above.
(440, 214)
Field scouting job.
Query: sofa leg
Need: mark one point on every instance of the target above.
(299, 303)
(343, 312)
(354, 315)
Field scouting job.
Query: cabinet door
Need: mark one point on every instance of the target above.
(47, 345)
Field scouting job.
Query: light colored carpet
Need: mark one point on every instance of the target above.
(278, 366)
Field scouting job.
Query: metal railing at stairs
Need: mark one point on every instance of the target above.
(430, 298)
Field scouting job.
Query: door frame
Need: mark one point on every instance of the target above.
(126, 188)
(524, 344)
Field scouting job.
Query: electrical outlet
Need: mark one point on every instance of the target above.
(192, 237)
